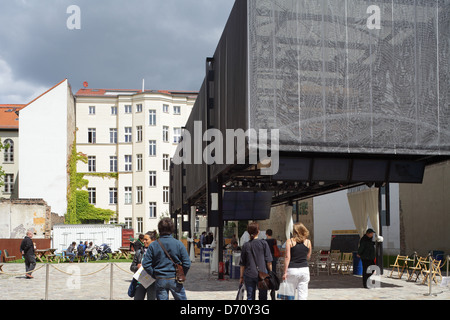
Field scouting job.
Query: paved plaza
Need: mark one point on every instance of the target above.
(92, 281)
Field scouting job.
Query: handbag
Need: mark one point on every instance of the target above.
(132, 288)
(276, 251)
(179, 272)
(264, 282)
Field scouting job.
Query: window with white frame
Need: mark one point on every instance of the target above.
(165, 108)
(113, 135)
(139, 108)
(112, 195)
(113, 110)
(127, 108)
(92, 135)
(8, 155)
(176, 135)
(139, 195)
(113, 221)
(128, 134)
(138, 133)
(166, 162)
(92, 195)
(128, 223)
(166, 194)
(140, 224)
(152, 178)
(152, 210)
(92, 164)
(113, 164)
(91, 109)
(139, 162)
(152, 117)
(128, 162)
(176, 110)
(128, 193)
(165, 133)
(152, 148)
(9, 183)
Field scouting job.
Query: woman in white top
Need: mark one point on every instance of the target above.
(298, 252)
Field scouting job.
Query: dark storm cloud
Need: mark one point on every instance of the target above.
(120, 43)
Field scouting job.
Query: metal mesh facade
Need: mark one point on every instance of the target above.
(352, 76)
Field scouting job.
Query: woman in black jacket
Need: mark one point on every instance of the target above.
(149, 237)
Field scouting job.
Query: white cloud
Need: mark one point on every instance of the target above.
(14, 91)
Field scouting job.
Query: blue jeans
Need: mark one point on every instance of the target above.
(251, 285)
(163, 286)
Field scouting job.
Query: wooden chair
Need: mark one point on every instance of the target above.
(417, 269)
(346, 265)
(335, 258)
(312, 263)
(398, 265)
(324, 263)
(434, 269)
(8, 257)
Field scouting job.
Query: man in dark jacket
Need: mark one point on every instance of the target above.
(160, 267)
(366, 253)
(27, 249)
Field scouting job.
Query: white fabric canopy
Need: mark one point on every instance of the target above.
(364, 205)
(289, 221)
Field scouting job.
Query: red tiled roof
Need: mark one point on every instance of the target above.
(8, 117)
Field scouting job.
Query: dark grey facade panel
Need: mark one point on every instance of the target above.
(351, 76)
(333, 76)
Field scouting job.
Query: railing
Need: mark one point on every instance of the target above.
(47, 275)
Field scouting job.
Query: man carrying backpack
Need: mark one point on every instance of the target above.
(80, 249)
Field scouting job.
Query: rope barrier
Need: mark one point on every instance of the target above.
(81, 275)
(21, 273)
(127, 271)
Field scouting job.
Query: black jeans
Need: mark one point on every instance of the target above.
(366, 263)
(141, 292)
(30, 264)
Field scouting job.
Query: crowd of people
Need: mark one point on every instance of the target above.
(159, 253)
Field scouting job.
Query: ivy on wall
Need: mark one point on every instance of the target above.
(79, 209)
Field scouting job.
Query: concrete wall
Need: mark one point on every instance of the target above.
(19, 216)
(425, 212)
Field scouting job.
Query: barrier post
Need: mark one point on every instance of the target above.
(111, 282)
(47, 274)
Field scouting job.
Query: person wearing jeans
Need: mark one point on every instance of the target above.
(255, 255)
(298, 252)
(161, 268)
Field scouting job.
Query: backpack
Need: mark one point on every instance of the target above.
(80, 250)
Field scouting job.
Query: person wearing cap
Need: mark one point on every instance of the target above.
(366, 252)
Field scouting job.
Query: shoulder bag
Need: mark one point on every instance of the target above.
(263, 278)
(179, 272)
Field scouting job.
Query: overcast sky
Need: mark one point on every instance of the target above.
(119, 43)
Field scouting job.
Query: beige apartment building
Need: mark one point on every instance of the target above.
(129, 137)
(9, 160)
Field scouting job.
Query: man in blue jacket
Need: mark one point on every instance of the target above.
(160, 267)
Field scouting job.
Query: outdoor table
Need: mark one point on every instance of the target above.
(42, 254)
(124, 252)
